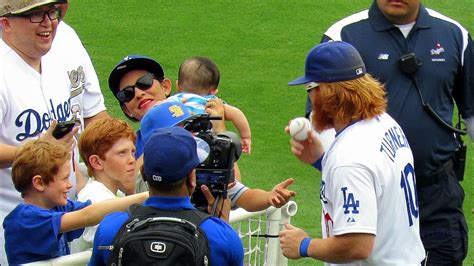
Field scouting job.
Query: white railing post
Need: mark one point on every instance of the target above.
(287, 212)
(273, 243)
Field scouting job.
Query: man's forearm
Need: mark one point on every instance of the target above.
(100, 115)
(342, 249)
(7, 156)
(254, 200)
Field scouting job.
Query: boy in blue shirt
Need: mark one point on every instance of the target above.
(41, 227)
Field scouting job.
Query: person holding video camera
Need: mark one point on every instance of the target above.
(425, 60)
(219, 152)
(170, 159)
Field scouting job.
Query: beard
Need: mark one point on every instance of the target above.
(320, 119)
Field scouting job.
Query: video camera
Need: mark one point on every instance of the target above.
(222, 150)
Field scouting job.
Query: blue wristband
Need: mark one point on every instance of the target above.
(319, 163)
(304, 247)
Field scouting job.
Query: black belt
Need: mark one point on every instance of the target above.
(438, 175)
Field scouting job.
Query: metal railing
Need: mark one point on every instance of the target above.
(258, 231)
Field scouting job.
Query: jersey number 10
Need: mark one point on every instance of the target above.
(411, 196)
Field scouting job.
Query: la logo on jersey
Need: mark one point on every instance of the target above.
(350, 203)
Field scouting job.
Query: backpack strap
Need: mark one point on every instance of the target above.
(192, 215)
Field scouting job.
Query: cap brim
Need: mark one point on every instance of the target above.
(298, 81)
(185, 119)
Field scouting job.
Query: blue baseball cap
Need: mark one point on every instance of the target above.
(165, 114)
(134, 62)
(332, 62)
(170, 155)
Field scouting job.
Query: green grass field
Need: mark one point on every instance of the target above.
(259, 45)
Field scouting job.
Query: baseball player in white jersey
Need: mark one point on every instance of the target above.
(368, 189)
(40, 81)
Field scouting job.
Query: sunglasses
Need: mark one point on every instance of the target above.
(311, 85)
(38, 16)
(128, 93)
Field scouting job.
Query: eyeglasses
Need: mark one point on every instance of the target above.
(311, 85)
(128, 93)
(38, 16)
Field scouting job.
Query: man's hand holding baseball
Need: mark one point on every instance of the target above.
(309, 150)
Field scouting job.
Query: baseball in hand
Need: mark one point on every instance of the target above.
(299, 128)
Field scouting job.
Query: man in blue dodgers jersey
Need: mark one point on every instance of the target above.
(368, 191)
(40, 80)
(382, 34)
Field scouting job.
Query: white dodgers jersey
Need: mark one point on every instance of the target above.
(368, 186)
(66, 89)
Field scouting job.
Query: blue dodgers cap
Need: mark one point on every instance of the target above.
(165, 114)
(134, 62)
(332, 62)
(170, 155)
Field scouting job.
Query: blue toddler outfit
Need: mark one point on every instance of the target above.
(195, 103)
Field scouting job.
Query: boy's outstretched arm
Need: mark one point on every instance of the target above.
(94, 213)
(239, 120)
(255, 199)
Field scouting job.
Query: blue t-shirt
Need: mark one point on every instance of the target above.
(224, 243)
(33, 233)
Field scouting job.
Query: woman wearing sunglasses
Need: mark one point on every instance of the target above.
(139, 83)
